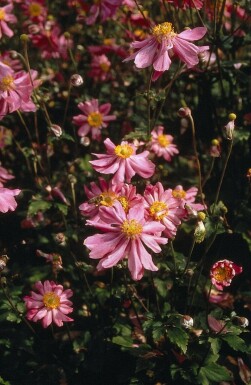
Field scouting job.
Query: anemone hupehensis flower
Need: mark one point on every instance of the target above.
(123, 162)
(104, 9)
(49, 303)
(222, 273)
(6, 16)
(125, 236)
(7, 200)
(162, 145)
(164, 42)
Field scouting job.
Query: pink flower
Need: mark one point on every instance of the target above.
(186, 198)
(14, 64)
(164, 42)
(4, 176)
(49, 303)
(6, 17)
(161, 206)
(198, 4)
(222, 273)
(123, 162)
(7, 200)
(16, 90)
(35, 10)
(100, 68)
(162, 144)
(93, 119)
(125, 236)
(104, 9)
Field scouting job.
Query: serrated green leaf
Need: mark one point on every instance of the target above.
(235, 342)
(178, 337)
(213, 372)
(124, 341)
(215, 344)
(37, 206)
(62, 208)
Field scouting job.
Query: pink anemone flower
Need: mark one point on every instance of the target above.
(6, 17)
(123, 162)
(222, 273)
(162, 145)
(186, 198)
(104, 9)
(4, 176)
(35, 10)
(161, 206)
(164, 42)
(93, 119)
(100, 68)
(7, 200)
(49, 303)
(125, 236)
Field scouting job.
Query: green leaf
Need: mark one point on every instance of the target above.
(178, 337)
(126, 342)
(235, 342)
(213, 372)
(215, 344)
(38, 205)
(62, 208)
(2, 382)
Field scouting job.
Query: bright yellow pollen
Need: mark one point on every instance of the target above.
(222, 274)
(124, 150)
(95, 119)
(35, 9)
(131, 228)
(179, 194)
(2, 14)
(107, 198)
(158, 210)
(124, 202)
(163, 141)
(6, 83)
(105, 67)
(51, 300)
(108, 41)
(163, 30)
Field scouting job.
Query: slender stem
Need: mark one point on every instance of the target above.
(67, 105)
(149, 105)
(189, 257)
(209, 172)
(142, 13)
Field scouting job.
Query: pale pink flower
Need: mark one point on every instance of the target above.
(187, 198)
(162, 145)
(7, 200)
(164, 42)
(222, 273)
(123, 162)
(35, 10)
(104, 9)
(49, 303)
(6, 17)
(100, 68)
(125, 236)
(4, 176)
(93, 119)
(106, 194)
(161, 206)
(16, 90)
(198, 4)
(7, 58)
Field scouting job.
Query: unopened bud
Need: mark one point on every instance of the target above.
(215, 142)
(229, 130)
(57, 130)
(186, 321)
(232, 116)
(200, 232)
(24, 38)
(76, 80)
(201, 216)
(67, 35)
(240, 321)
(60, 238)
(184, 112)
(85, 141)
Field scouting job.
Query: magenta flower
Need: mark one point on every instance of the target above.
(164, 42)
(49, 303)
(125, 236)
(104, 9)
(93, 119)
(6, 17)
(100, 68)
(7, 200)
(222, 273)
(4, 176)
(162, 145)
(123, 162)
(186, 198)
(198, 4)
(35, 10)
(161, 206)
(16, 90)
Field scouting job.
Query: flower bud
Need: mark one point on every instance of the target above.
(57, 130)
(184, 112)
(24, 38)
(85, 141)
(200, 232)
(201, 216)
(232, 116)
(240, 321)
(76, 80)
(229, 130)
(186, 321)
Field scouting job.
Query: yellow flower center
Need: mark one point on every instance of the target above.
(131, 228)
(163, 141)
(179, 194)
(35, 9)
(108, 41)
(124, 150)
(105, 67)
(6, 83)
(107, 198)
(222, 274)
(158, 210)
(124, 202)
(2, 14)
(163, 30)
(51, 300)
(95, 119)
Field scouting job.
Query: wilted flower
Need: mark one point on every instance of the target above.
(222, 273)
(49, 303)
(215, 325)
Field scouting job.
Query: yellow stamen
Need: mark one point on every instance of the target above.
(163, 141)
(124, 150)
(35, 9)
(179, 194)
(158, 210)
(2, 14)
(95, 119)
(222, 274)
(105, 67)
(124, 202)
(51, 300)
(131, 228)
(107, 198)
(163, 30)
(6, 83)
